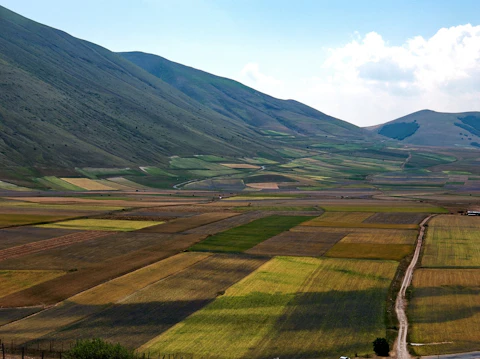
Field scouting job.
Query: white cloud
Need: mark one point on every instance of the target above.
(368, 81)
(253, 77)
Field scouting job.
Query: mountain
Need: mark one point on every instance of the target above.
(67, 103)
(253, 108)
(430, 128)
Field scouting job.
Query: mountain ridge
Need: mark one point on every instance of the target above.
(71, 103)
(432, 128)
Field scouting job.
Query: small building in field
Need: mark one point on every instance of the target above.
(473, 213)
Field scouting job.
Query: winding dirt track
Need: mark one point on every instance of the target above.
(401, 303)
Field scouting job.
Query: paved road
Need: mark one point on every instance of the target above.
(400, 304)
(472, 355)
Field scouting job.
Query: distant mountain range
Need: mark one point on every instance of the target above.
(430, 128)
(69, 103)
(234, 100)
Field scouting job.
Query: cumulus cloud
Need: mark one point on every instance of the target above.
(369, 81)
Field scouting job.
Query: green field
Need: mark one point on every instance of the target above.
(289, 307)
(102, 224)
(244, 237)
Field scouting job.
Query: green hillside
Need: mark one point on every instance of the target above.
(430, 128)
(255, 109)
(69, 103)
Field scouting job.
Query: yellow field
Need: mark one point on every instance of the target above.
(97, 298)
(370, 251)
(102, 224)
(265, 185)
(445, 309)
(452, 241)
(12, 281)
(88, 184)
(291, 306)
(392, 236)
(240, 166)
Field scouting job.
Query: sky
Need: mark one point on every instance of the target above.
(366, 62)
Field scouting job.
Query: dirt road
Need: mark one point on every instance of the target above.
(401, 303)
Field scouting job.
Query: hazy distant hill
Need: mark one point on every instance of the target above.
(65, 102)
(432, 128)
(232, 99)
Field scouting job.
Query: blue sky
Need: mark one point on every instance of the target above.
(366, 62)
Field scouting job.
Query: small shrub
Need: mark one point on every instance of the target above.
(98, 349)
(381, 347)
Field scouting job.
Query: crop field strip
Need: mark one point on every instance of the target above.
(10, 220)
(103, 225)
(88, 184)
(246, 236)
(357, 220)
(17, 236)
(225, 224)
(394, 252)
(289, 307)
(13, 281)
(153, 310)
(396, 218)
(85, 254)
(297, 244)
(97, 272)
(8, 315)
(452, 241)
(445, 309)
(185, 224)
(46, 244)
(95, 299)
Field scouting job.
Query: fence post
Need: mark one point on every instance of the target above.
(43, 354)
(23, 352)
(3, 351)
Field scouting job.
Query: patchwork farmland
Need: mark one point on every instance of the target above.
(445, 290)
(252, 275)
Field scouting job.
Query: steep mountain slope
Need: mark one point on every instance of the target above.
(65, 102)
(243, 103)
(430, 128)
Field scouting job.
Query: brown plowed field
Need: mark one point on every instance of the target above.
(58, 289)
(297, 244)
(225, 224)
(86, 254)
(184, 224)
(44, 245)
(156, 308)
(396, 218)
(11, 237)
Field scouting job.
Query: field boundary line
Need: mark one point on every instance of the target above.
(401, 302)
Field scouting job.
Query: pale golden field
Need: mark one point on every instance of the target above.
(265, 185)
(291, 306)
(12, 281)
(102, 224)
(88, 184)
(96, 299)
(452, 241)
(445, 309)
